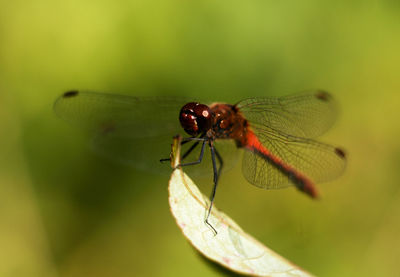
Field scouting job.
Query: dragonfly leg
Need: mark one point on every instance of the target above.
(201, 154)
(190, 150)
(221, 163)
(193, 146)
(216, 175)
(184, 141)
(185, 154)
(165, 160)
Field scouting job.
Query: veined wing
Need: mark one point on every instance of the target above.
(130, 130)
(304, 115)
(134, 131)
(120, 115)
(317, 161)
(145, 153)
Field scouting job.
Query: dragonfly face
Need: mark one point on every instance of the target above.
(195, 118)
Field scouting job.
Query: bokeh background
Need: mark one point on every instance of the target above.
(67, 212)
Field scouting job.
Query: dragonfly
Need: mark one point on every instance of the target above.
(278, 134)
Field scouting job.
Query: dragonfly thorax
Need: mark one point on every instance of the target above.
(228, 123)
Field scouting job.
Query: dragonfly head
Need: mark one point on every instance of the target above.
(195, 118)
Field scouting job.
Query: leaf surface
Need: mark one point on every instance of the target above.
(231, 247)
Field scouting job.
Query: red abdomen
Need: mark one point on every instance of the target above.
(301, 181)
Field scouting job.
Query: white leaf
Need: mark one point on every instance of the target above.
(231, 247)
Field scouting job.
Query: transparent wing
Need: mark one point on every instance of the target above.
(145, 153)
(121, 115)
(318, 161)
(130, 130)
(135, 131)
(140, 153)
(304, 115)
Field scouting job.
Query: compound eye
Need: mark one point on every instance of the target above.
(195, 118)
(204, 117)
(202, 111)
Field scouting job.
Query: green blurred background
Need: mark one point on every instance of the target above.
(67, 212)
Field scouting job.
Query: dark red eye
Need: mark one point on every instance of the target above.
(195, 118)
